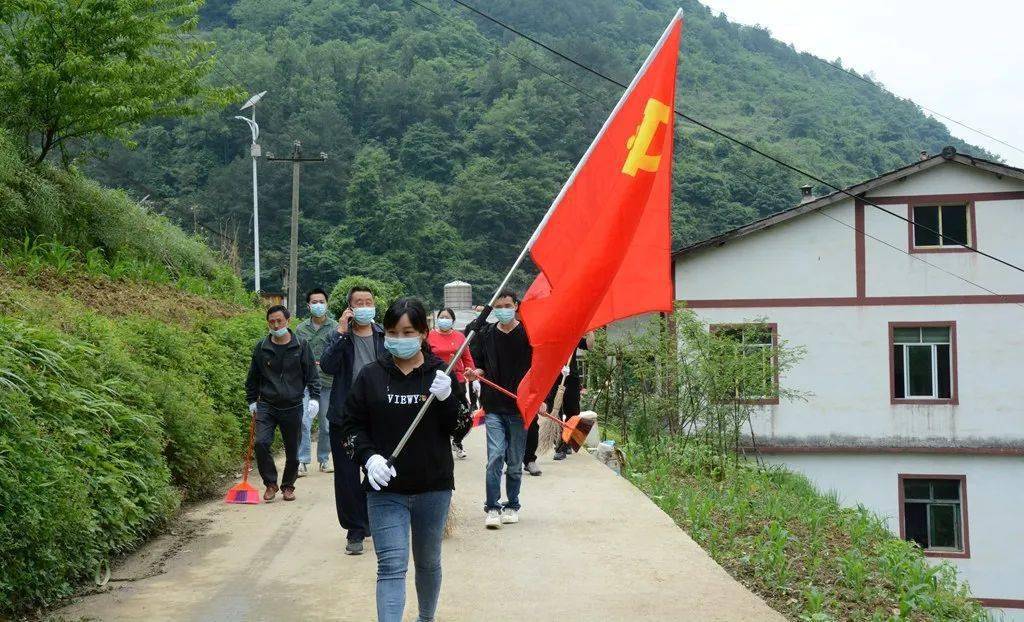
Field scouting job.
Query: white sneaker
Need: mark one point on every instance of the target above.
(303, 471)
(509, 516)
(493, 520)
(460, 453)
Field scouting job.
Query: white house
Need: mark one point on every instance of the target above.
(914, 352)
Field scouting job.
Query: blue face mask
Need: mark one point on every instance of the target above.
(318, 309)
(445, 324)
(403, 347)
(279, 332)
(505, 315)
(364, 315)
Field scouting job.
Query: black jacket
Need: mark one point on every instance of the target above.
(337, 359)
(381, 405)
(485, 355)
(280, 375)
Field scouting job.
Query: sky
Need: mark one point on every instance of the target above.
(962, 60)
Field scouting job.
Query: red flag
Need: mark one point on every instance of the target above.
(604, 252)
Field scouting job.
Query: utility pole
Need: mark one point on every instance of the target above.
(296, 159)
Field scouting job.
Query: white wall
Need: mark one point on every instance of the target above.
(804, 257)
(948, 178)
(994, 506)
(845, 371)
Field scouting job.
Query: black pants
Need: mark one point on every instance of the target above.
(349, 494)
(268, 418)
(532, 438)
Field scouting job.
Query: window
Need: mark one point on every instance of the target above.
(923, 362)
(933, 513)
(955, 223)
(751, 361)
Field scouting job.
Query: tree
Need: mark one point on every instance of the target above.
(99, 68)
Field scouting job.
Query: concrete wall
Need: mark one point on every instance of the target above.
(845, 376)
(807, 256)
(994, 507)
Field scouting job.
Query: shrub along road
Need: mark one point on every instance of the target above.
(590, 546)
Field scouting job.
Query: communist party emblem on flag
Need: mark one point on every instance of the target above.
(604, 247)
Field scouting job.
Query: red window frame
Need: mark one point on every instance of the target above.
(774, 327)
(962, 478)
(954, 389)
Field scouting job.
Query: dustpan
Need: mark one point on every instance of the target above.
(244, 492)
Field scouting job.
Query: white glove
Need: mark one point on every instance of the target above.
(476, 386)
(378, 472)
(313, 408)
(441, 387)
(565, 371)
(252, 408)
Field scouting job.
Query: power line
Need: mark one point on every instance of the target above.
(925, 108)
(737, 141)
(890, 245)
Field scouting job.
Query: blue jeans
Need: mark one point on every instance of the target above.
(323, 438)
(506, 441)
(392, 517)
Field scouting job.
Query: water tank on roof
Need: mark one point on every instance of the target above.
(458, 295)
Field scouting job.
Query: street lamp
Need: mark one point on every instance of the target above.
(255, 151)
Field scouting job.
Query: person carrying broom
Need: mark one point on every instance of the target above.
(281, 372)
(412, 496)
(502, 353)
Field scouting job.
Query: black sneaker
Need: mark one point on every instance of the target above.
(354, 547)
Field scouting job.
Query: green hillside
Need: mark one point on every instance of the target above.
(444, 153)
(123, 350)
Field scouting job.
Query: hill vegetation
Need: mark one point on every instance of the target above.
(445, 150)
(123, 347)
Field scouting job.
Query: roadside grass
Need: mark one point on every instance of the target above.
(112, 411)
(809, 557)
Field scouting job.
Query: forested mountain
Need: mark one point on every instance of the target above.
(444, 151)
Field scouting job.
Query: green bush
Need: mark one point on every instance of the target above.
(101, 420)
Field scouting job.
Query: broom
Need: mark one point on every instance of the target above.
(244, 492)
(549, 432)
(574, 431)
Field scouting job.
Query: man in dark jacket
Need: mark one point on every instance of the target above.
(281, 372)
(503, 354)
(358, 342)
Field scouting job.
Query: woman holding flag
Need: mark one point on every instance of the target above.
(410, 497)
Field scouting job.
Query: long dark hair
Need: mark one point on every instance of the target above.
(417, 313)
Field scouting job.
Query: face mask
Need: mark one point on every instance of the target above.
(402, 347)
(505, 315)
(364, 315)
(279, 332)
(445, 324)
(318, 309)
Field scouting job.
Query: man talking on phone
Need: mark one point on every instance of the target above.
(358, 341)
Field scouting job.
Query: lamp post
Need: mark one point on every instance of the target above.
(255, 151)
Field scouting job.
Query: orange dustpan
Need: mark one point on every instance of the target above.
(245, 492)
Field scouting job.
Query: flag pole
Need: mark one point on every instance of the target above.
(482, 318)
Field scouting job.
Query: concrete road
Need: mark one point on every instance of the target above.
(589, 546)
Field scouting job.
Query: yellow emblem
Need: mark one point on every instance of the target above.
(655, 113)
